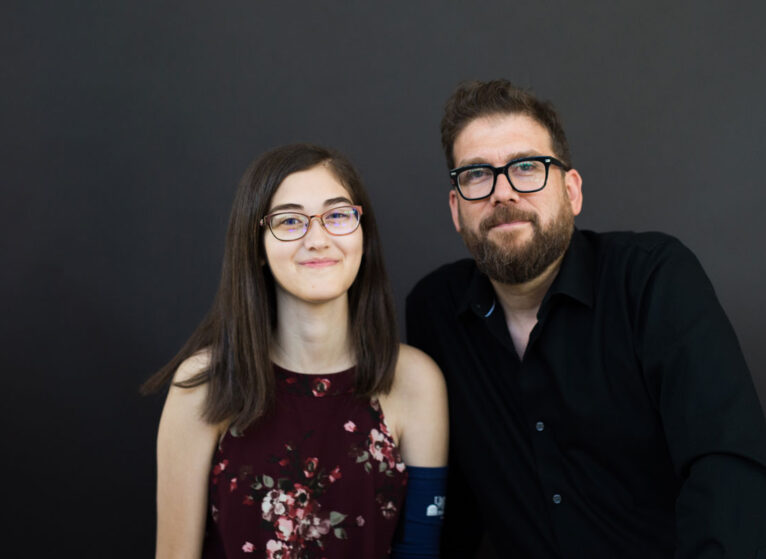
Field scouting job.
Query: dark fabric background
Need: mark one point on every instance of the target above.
(126, 125)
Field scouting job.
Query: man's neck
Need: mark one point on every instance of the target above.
(521, 302)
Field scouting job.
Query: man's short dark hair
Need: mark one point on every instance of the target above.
(474, 99)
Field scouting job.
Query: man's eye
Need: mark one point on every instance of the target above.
(526, 167)
(475, 175)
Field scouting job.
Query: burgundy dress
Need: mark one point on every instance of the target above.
(320, 477)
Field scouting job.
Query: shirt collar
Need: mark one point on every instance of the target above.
(479, 297)
(576, 275)
(575, 280)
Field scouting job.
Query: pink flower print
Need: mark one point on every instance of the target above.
(221, 466)
(232, 485)
(248, 547)
(310, 467)
(301, 504)
(349, 426)
(320, 387)
(381, 448)
(284, 462)
(360, 520)
(334, 474)
(384, 429)
(277, 550)
(316, 527)
(388, 510)
(248, 500)
(291, 380)
(285, 527)
(214, 512)
(275, 503)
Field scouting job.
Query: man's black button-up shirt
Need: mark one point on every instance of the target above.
(630, 428)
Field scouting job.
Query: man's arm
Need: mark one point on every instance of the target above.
(712, 418)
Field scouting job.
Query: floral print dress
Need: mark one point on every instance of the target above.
(319, 478)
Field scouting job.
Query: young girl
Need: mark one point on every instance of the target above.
(296, 424)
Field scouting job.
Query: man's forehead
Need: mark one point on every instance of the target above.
(501, 137)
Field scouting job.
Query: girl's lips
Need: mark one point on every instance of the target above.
(319, 263)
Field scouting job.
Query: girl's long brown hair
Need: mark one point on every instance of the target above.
(238, 329)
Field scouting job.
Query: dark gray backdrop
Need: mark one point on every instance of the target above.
(125, 126)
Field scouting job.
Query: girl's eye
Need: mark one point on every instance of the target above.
(336, 216)
(287, 221)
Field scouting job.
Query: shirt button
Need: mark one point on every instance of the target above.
(539, 425)
(556, 498)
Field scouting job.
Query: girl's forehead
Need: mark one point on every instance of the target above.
(312, 187)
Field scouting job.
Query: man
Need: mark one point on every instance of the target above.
(600, 404)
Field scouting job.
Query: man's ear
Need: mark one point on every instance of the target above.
(454, 200)
(573, 185)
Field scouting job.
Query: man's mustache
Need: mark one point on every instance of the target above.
(506, 214)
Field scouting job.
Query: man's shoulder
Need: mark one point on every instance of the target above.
(631, 248)
(460, 270)
(640, 242)
(637, 256)
(446, 279)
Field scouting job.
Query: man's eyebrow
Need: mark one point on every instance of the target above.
(328, 202)
(508, 157)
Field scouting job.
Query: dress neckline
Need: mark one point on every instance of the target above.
(316, 386)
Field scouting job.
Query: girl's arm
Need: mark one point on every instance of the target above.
(418, 401)
(185, 446)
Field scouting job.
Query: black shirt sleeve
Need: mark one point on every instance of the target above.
(713, 422)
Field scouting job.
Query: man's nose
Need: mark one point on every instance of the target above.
(503, 192)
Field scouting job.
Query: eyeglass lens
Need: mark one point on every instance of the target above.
(288, 226)
(524, 175)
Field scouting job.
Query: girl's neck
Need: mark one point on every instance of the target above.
(312, 338)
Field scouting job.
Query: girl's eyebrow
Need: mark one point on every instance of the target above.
(337, 200)
(286, 207)
(328, 202)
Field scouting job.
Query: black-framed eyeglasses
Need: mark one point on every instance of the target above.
(526, 174)
(291, 226)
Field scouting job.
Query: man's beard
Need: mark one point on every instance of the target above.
(511, 264)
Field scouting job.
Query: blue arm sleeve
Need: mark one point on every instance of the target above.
(420, 524)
